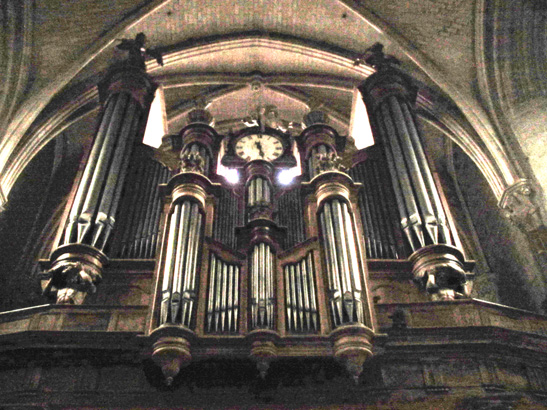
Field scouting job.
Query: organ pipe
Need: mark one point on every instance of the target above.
(422, 217)
(437, 265)
(375, 199)
(78, 261)
(224, 226)
(91, 217)
(290, 215)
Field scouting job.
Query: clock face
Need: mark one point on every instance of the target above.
(259, 146)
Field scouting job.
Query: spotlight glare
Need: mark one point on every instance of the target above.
(286, 176)
(232, 176)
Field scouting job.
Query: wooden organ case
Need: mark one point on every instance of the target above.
(258, 269)
(162, 271)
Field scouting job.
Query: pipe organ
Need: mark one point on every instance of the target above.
(342, 263)
(254, 264)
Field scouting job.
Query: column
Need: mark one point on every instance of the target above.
(77, 264)
(389, 95)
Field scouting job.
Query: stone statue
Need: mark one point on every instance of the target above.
(137, 52)
(375, 57)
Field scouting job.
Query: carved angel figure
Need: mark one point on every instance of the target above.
(70, 282)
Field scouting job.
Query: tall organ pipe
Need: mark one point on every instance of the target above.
(91, 218)
(375, 201)
(230, 217)
(289, 215)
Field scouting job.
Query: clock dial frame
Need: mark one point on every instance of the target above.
(255, 146)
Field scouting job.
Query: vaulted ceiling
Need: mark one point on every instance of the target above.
(238, 55)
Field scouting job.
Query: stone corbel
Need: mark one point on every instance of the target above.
(520, 204)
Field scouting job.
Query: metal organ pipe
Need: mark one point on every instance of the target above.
(437, 266)
(290, 215)
(140, 210)
(420, 209)
(374, 204)
(259, 192)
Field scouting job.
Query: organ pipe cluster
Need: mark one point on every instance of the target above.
(91, 218)
(259, 192)
(377, 216)
(290, 214)
(223, 299)
(342, 263)
(229, 218)
(422, 217)
(181, 263)
(140, 212)
(301, 296)
(262, 301)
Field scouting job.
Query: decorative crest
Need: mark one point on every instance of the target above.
(329, 162)
(192, 162)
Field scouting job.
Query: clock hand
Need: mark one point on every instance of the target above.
(259, 146)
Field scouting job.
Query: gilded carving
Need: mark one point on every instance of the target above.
(328, 162)
(192, 162)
